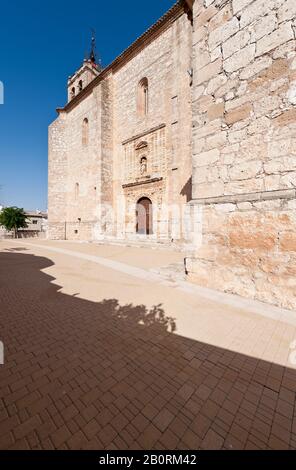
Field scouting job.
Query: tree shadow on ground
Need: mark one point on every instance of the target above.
(82, 374)
(16, 249)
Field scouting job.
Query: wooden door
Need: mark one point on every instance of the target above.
(144, 216)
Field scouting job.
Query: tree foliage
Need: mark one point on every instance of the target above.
(13, 218)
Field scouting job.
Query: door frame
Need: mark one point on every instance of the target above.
(148, 218)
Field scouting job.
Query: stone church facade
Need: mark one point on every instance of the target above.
(125, 137)
(190, 135)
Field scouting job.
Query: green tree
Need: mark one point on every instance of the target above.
(13, 218)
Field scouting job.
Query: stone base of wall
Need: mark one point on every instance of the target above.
(31, 234)
(56, 231)
(179, 226)
(92, 233)
(249, 248)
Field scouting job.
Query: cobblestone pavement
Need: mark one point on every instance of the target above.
(96, 359)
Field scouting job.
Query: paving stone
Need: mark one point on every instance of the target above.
(217, 398)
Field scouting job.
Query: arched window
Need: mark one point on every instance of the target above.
(85, 132)
(76, 191)
(80, 85)
(72, 92)
(143, 97)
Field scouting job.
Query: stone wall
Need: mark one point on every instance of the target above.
(78, 170)
(165, 63)
(84, 167)
(244, 157)
(57, 178)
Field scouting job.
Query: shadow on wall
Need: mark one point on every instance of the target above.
(81, 374)
(187, 190)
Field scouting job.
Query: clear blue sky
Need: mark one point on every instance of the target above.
(42, 43)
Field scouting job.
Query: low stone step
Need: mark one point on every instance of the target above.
(171, 272)
(145, 243)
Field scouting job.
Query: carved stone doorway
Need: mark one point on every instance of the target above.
(144, 216)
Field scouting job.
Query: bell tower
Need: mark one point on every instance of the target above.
(89, 70)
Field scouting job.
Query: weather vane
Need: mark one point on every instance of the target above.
(92, 55)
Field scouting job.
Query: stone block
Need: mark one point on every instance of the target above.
(288, 180)
(215, 111)
(240, 59)
(219, 35)
(238, 114)
(216, 83)
(197, 93)
(283, 34)
(205, 16)
(256, 67)
(198, 145)
(272, 182)
(291, 94)
(241, 100)
(263, 26)
(207, 129)
(202, 55)
(209, 71)
(235, 43)
(244, 206)
(206, 190)
(238, 5)
(222, 17)
(245, 170)
(231, 84)
(285, 118)
(213, 173)
(198, 34)
(285, 50)
(265, 105)
(279, 148)
(216, 141)
(200, 175)
(228, 207)
(277, 70)
(255, 10)
(204, 103)
(206, 158)
(255, 240)
(216, 53)
(253, 185)
(287, 11)
(288, 241)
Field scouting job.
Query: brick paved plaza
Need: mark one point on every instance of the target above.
(96, 358)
